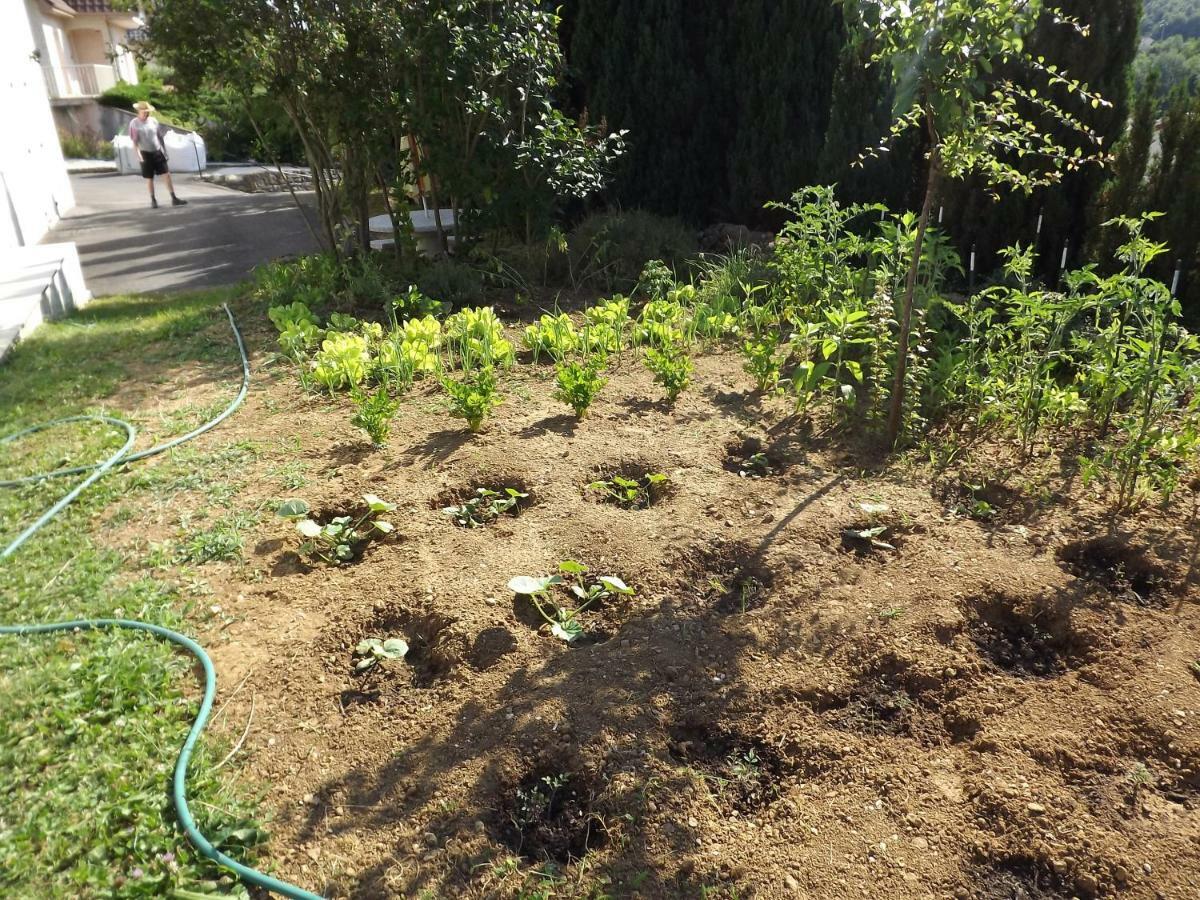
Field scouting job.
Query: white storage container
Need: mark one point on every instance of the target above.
(185, 152)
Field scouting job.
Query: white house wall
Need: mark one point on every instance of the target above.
(34, 188)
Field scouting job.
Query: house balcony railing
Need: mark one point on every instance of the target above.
(66, 82)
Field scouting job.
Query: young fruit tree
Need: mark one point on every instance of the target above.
(985, 106)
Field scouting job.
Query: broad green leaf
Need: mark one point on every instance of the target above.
(570, 567)
(309, 528)
(366, 646)
(293, 509)
(363, 664)
(393, 648)
(385, 527)
(524, 584)
(616, 584)
(377, 505)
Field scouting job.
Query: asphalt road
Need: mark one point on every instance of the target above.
(218, 238)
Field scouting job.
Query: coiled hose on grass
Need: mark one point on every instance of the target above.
(119, 458)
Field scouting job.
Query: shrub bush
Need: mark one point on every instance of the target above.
(452, 282)
(89, 146)
(611, 249)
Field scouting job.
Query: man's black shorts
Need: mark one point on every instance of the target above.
(154, 163)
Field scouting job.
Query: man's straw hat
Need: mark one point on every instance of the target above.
(143, 106)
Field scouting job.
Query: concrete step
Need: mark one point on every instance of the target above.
(37, 283)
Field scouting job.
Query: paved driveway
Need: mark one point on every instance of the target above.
(218, 238)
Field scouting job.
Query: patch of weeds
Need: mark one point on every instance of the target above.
(342, 538)
(631, 491)
(1121, 567)
(292, 475)
(562, 620)
(749, 459)
(985, 500)
(548, 816)
(223, 542)
(92, 719)
(485, 507)
(1023, 640)
(741, 770)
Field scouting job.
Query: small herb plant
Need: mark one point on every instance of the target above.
(474, 397)
(337, 541)
(672, 368)
(485, 507)
(756, 465)
(373, 413)
(578, 383)
(372, 651)
(631, 493)
(588, 590)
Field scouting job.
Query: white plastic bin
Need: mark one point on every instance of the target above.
(123, 155)
(185, 152)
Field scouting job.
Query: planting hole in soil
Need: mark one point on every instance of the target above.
(749, 459)
(548, 816)
(741, 770)
(986, 501)
(485, 501)
(636, 485)
(1017, 878)
(1123, 568)
(491, 645)
(425, 645)
(724, 577)
(1023, 639)
(339, 536)
(877, 706)
(575, 605)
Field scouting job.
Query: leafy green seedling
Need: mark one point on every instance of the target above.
(564, 622)
(485, 507)
(336, 542)
(373, 651)
(577, 384)
(672, 368)
(862, 539)
(474, 397)
(744, 766)
(373, 413)
(756, 465)
(630, 493)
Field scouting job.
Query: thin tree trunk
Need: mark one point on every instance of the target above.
(896, 413)
(279, 168)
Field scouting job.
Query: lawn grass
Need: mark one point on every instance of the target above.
(92, 722)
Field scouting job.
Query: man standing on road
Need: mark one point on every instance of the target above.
(148, 145)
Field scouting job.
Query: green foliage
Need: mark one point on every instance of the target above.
(631, 493)
(485, 507)
(553, 335)
(739, 105)
(475, 337)
(451, 282)
(656, 280)
(473, 397)
(342, 362)
(578, 383)
(340, 539)
(763, 360)
(373, 413)
(611, 250)
(87, 146)
(672, 368)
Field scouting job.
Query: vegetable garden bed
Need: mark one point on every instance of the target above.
(973, 709)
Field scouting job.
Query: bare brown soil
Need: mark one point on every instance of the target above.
(996, 710)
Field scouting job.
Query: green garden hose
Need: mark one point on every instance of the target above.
(97, 471)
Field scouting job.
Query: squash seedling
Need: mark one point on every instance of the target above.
(485, 507)
(630, 493)
(336, 542)
(372, 651)
(563, 621)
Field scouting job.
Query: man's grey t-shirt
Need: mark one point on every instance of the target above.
(145, 134)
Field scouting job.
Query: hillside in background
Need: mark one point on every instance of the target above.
(1170, 44)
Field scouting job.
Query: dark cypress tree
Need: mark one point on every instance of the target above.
(1174, 188)
(726, 104)
(1125, 191)
(1103, 59)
